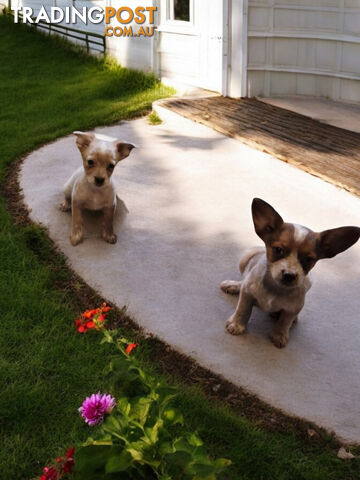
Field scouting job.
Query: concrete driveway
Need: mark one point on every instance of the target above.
(188, 190)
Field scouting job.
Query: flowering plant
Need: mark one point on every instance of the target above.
(63, 467)
(92, 319)
(140, 434)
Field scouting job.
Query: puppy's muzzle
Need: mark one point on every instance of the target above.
(288, 278)
(99, 181)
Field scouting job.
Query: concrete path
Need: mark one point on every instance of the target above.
(188, 190)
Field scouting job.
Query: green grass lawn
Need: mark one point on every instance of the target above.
(48, 90)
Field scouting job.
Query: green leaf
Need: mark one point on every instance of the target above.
(178, 461)
(200, 469)
(113, 422)
(210, 476)
(140, 372)
(123, 340)
(118, 463)
(165, 448)
(152, 434)
(194, 440)
(123, 405)
(140, 409)
(173, 416)
(182, 445)
(92, 459)
(221, 463)
(135, 453)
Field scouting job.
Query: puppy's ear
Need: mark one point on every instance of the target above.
(266, 219)
(83, 139)
(123, 149)
(336, 240)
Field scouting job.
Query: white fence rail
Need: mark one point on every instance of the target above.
(89, 35)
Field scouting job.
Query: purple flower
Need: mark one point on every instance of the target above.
(95, 407)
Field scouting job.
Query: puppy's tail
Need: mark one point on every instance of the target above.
(248, 255)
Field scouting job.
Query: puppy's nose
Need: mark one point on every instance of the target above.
(99, 181)
(288, 277)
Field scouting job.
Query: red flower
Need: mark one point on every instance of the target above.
(67, 467)
(130, 348)
(70, 452)
(92, 319)
(49, 474)
(64, 466)
(90, 313)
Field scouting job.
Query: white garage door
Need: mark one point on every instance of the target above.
(308, 47)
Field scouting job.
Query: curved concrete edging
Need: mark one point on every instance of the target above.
(188, 190)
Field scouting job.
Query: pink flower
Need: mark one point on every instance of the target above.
(95, 407)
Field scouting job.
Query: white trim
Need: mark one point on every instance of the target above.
(310, 36)
(155, 53)
(244, 47)
(269, 50)
(270, 68)
(225, 49)
(170, 10)
(339, 53)
(179, 30)
(307, 8)
(167, 24)
(238, 50)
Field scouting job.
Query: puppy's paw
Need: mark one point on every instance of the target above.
(233, 327)
(75, 239)
(279, 339)
(109, 238)
(231, 287)
(65, 207)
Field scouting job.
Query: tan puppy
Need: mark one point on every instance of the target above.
(276, 277)
(91, 186)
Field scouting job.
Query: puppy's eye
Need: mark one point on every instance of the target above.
(90, 163)
(110, 166)
(278, 251)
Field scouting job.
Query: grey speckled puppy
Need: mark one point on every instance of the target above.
(276, 278)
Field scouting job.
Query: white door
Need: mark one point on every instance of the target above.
(192, 44)
(213, 45)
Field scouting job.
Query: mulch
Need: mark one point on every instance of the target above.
(323, 150)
